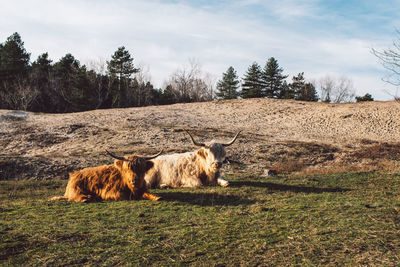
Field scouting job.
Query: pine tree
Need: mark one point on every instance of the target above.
(286, 91)
(167, 96)
(252, 85)
(121, 65)
(366, 97)
(309, 93)
(14, 64)
(66, 83)
(15, 89)
(14, 60)
(149, 94)
(297, 84)
(227, 87)
(272, 79)
(40, 79)
(43, 66)
(302, 90)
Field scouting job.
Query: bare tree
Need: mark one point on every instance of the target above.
(210, 82)
(143, 75)
(99, 66)
(336, 90)
(141, 91)
(326, 85)
(390, 60)
(19, 94)
(344, 90)
(98, 76)
(190, 84)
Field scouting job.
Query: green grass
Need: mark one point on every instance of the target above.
(341, 219)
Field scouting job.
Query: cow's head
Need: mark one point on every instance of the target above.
(213, 152)
(134, 166)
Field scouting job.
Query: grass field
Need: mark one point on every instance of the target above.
(341, 219)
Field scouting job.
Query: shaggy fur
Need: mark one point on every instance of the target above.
(121, 181)
(190, 169)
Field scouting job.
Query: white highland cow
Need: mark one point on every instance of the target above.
(190, 169)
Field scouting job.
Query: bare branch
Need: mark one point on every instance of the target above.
(19, 94)
(190, 84)
(336, 90)
(390, 60)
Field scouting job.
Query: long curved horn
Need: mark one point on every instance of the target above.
(115, 156)
(152, 156)
(194, 142)
(233, 140)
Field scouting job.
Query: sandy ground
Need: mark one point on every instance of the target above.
(285, 135)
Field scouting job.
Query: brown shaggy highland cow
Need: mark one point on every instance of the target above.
(123, 180)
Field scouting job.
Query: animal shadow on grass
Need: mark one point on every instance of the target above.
(17, 244)
(286, 188)
(205, 199)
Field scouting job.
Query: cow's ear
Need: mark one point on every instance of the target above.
(149, 165)
(118, 164)
(202, 153)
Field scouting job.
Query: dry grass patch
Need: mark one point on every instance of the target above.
(382, 151)
(294, 156)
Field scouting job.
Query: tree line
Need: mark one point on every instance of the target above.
(265, 82)
(69, 86)
(270, 82)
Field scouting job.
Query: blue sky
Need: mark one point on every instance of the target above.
(318, 38)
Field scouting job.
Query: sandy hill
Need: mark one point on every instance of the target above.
(285, 135)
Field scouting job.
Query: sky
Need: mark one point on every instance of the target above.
(320, 38)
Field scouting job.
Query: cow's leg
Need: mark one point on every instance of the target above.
(222, 182)
(149, 196)
(58, 198)
(81, 197)
(191, 182)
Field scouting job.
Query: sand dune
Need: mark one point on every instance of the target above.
(286, 135)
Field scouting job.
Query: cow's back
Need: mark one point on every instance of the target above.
(103, 182)
(171, 170)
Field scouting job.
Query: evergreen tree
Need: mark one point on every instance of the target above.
(309, 93)
(66, 83)
(298, 83)
(302, 90)
(366, 97)
(167, 96)
(40, 79)
(121, 65)
(14, 60)
(85, 97)
(149, 94)
(42, 66)
(15, 90)
(252, 85)
(286, 91)
(227, 87)
(272, 79)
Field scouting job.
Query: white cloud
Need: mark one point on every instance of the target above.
(294, 9)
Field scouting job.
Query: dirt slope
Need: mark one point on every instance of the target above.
(286, 135)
